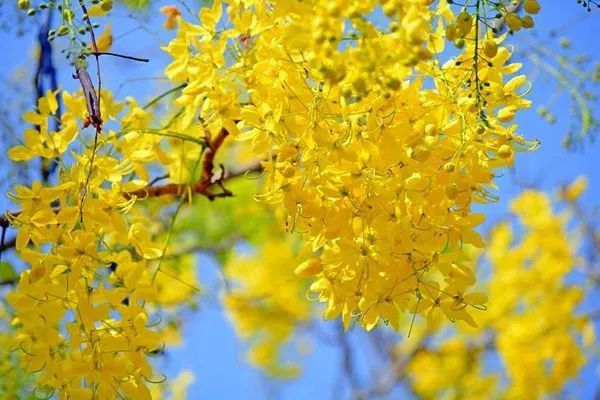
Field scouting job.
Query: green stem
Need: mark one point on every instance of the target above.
(162, 95)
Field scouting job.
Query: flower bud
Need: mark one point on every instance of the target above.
(452, 191)
(505, 151)
(451, 33)
(106, 5)
(490, 48)
(449, 167)
(531, 6)
(527, 22)
(62, 30)
(513, 21)
(23, 4)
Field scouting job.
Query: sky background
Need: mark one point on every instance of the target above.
(211, 349)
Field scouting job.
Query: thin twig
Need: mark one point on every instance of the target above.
(4, 227)
(93, 100)
(163, 95)
(107, 53)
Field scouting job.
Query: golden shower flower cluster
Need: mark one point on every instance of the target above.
(530, 307)
(265, 303)
(377, 160)
(85, 307)
(374, 140)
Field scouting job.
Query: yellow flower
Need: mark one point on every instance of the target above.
(105, 39)
(171, 12)
(573, 191)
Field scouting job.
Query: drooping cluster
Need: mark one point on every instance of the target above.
(376, 156)
(529, 303)
(266, 304)
(374, 139)
(86, 307)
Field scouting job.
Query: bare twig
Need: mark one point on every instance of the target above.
(107, 53)
(92, 99)
(4, 227)
(348, 369)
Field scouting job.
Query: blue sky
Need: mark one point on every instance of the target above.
(211, 348)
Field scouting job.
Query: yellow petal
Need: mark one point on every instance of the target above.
(68, 215)
(59, 269)
(104, 41)
(20, 153)
(309, 268)
(44, 217)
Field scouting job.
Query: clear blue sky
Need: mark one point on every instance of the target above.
(211, 348)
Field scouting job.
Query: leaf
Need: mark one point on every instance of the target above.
(7, 272)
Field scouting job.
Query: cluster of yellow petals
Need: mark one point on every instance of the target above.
(13, 382)
(376, 156)
(532, 321)
(265, 303)
(85, 309)
(375, 142)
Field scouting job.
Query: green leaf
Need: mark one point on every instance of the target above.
(7, 272)
(137, 4)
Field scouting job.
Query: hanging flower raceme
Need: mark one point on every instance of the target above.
(375, 142)
(85, 307)
(530, 302)
(376, 156)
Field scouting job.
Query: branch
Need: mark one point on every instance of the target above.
(395, 372)
(108, 53)
(592, 236)
(201, 188)
(10, 243)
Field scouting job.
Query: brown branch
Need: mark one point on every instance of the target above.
(8, 244)
(209, 158)
(92, 98)
(201, 188)
(94, 47)
(4, 227)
